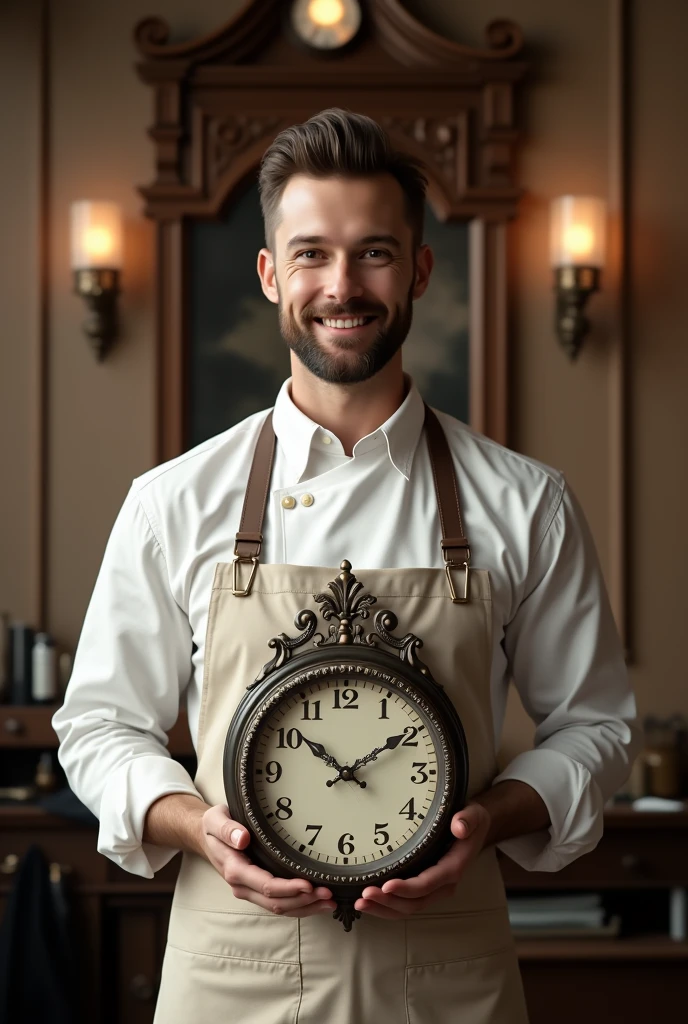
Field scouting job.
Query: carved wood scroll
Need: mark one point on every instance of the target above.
(222, 98)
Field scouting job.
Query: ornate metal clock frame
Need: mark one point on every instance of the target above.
(347, 649)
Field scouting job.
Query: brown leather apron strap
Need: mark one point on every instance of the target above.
(249, 538)
(455, 548)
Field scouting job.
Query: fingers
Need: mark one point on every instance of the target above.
(377, 910)
(374, 901)
(237, 870)
(225, 839)
(445, 872)
(303, 905)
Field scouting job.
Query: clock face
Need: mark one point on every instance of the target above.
(326, 24)
(346, 772)
(350, 815)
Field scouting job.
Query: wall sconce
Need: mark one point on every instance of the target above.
(96, 237)
(577, 255)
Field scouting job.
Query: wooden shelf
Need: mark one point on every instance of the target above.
(648, 947)
(620, 816)
(29, 726)
(31, 816)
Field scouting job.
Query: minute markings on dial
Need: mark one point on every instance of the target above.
(289, 713)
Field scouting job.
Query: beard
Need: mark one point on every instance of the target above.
(352, 367)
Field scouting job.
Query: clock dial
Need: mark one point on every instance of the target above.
(326, 24)
(346, 772)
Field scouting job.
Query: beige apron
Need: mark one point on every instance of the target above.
(455, 963)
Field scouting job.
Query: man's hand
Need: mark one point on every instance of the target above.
(511, 808)
(291, 897)
(183, 821)
(400, 897)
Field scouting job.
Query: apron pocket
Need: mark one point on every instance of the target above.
(482, 990)
(243, 965)
(463, 967)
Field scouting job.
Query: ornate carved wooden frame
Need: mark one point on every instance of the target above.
(221, 99)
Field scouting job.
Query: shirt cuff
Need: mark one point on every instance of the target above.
(575, 806)
(128, 794)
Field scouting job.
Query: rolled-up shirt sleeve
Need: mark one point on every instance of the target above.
(131, 667)
(567, 664)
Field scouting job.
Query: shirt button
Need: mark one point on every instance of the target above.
(288, 501)
(307, 499)
(326, 439)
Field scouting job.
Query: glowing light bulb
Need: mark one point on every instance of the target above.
(579, 240)
(577, 231)
(98, 242)
(96, 235)
(326, 12)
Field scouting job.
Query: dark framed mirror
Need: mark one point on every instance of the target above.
(219, 102)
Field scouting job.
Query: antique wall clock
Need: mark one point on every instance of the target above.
(325, 24)
(346, 762)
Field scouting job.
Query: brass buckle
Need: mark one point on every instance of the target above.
(235, 574)
(452, 590)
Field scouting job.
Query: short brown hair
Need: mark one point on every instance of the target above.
(338, 143)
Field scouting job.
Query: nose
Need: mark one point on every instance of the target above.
(342, 284)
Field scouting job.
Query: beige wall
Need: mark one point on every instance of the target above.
(101, 416)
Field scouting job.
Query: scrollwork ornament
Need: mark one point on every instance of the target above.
(385, 622)
(505, 37)
(307, 621)
(232, 135)
(151, 35)
(438, 138)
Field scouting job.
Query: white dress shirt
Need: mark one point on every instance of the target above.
(142, 645)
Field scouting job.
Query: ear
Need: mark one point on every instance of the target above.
(266, 273)
(425, 261)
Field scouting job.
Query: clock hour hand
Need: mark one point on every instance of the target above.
(318, 750)
(346, 774)
(392, 742)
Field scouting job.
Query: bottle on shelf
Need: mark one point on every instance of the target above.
(21, 641)
(44, 670)
(45, 779)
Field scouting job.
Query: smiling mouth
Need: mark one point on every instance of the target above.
(344, 323)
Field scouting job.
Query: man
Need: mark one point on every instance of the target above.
(352, 478)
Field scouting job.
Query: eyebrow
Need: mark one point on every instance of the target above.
(320, 239)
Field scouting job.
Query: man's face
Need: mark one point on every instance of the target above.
(345, 271)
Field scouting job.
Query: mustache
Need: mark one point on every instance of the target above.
(356, 307)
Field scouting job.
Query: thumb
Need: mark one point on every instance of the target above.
(235, 835)
(466, 821)
(223, 827)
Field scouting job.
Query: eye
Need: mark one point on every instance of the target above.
(376, 254)
(310, 254)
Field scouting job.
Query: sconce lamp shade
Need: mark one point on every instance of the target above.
(96, 242)
(578, 232)
(96, 235)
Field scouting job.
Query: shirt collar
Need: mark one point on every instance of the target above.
(297, 434)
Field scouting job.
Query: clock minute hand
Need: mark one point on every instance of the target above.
(392, 742)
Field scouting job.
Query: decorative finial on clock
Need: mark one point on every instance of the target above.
(347, 604)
